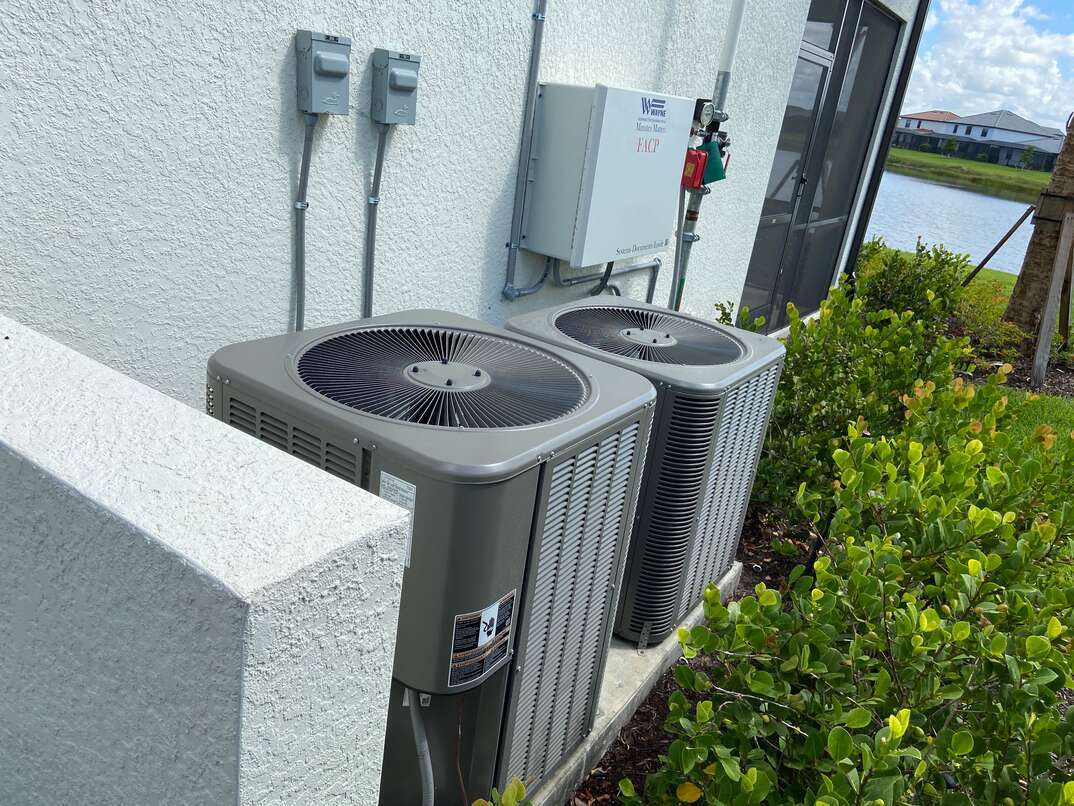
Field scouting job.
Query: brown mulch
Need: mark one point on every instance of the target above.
(636, 750)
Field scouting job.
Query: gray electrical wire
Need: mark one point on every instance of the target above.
(301, 205)
(421, 745)
(371, 224)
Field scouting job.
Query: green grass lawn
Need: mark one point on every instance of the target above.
(984, 176)
(1058, 412)
(1053, 410)
(1004, 278)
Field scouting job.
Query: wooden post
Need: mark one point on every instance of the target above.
(1064, 306)
(1051, 303)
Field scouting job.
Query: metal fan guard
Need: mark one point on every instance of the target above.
(372, 370)
(661, 337)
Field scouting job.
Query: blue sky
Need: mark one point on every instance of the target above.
(981, 55)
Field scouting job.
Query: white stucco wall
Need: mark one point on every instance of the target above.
(148, 160)
(187, 615)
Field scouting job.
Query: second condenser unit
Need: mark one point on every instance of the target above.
(521, 466)
(715, 388)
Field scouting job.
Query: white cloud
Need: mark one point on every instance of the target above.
(932, 19)
(994, 54)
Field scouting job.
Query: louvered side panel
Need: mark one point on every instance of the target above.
(694, 570)
(278, 432)
(666, 527)
(569, 614)
(738, 445)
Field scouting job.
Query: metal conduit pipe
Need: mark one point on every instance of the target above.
(371, 224)
(301, 205)
(531, 289)
(651, 266)
(525, 154)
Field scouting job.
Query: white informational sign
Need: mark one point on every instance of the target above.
(606, 174)
(629, 201)
(404, 494)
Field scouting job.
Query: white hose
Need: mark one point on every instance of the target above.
(421, 746)
(727, 55)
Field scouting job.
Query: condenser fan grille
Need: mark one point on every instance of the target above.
(442, 377)
(646, 335)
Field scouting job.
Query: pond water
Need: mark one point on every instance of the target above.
(908, 208)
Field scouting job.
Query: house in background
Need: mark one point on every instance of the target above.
(926, 120)
(1000, 137)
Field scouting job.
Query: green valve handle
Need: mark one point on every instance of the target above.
(714, 171)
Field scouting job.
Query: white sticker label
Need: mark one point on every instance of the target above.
(481, 641)
(404, 494)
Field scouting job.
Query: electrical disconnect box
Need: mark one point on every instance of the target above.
(605, 173)
(395, 86)
(324, 68)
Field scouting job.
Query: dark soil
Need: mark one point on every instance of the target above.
(635, 753)
(636, 750)
(760, 561)
(1059, 379)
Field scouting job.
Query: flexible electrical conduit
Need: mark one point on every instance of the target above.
(524, 155)
(371, 223)
(421, 745)
(301, 206)
(651, 266)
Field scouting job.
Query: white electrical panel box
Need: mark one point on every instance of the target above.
(605, 173)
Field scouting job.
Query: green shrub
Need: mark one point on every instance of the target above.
(514, 794)
(921, 662)
(845, 364)
(979, 315)
(925, 147)
(725, 315)
(927, 281)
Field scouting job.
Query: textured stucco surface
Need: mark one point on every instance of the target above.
(148, 155)
(187, 615)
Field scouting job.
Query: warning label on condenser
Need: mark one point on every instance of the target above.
(481, 640)
(404, 494)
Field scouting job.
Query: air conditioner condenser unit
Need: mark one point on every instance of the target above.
(715, 389)
(521, 466)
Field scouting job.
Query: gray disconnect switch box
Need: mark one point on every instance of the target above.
(395, 86)
(324, 66)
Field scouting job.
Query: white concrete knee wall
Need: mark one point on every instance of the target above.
(187, 616)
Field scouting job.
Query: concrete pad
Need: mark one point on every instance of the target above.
(628, 678)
